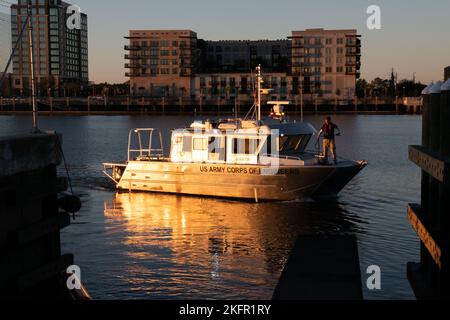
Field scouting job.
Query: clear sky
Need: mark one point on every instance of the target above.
(414, 37)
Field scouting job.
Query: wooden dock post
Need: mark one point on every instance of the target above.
(444, 188)
(430, 219)
(30, 220)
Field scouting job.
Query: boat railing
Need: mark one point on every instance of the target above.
(278, 156)
(144, 149)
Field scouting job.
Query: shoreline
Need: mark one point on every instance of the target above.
(118, 113)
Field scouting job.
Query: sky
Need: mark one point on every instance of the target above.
(414, 37)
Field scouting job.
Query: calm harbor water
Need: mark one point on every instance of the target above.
(149, 246)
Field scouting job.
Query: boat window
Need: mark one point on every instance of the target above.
(304, 142)
(293, 143)
(200, 144)
(283, 140)
(245, 146)
(215, 145)
(267, 148)
(216, 148)
(187, 144)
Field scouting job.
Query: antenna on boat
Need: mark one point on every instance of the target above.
(32, 67)
(258, 87)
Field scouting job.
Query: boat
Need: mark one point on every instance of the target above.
(249, 158)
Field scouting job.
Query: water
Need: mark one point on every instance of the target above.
(149, 246)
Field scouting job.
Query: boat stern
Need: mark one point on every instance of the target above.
(114, 171)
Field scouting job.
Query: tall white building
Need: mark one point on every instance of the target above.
(5, 40)
(326, 62)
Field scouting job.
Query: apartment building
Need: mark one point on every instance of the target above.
(161, 62)
(60, 53)
(326, 62)
(321, 63)
(5, 40)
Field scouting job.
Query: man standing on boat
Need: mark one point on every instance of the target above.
(328, 139)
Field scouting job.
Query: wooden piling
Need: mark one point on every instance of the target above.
(430, 278)
(30, 221)
(444, 189)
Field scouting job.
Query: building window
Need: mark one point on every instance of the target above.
(340, 41)
(340, 69)
(329, 41)
(329, 69)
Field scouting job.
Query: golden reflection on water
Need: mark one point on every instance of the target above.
(190, 244)
(183, 222)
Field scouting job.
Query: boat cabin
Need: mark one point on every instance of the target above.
(238, 141)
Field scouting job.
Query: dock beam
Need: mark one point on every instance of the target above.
(322, 268)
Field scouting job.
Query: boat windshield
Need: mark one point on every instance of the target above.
(293, 143)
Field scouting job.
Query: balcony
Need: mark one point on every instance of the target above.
(140, 56)
(133, 74)
(132, 47)
(356, 44)
(132, 66)
(353, 53)
(307, 55)
(353, 64)
(310, 64)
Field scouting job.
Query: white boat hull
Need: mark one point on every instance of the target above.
(235, 181)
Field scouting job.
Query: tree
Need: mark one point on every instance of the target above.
(410, 88)
(361, 88)
(392, 85)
